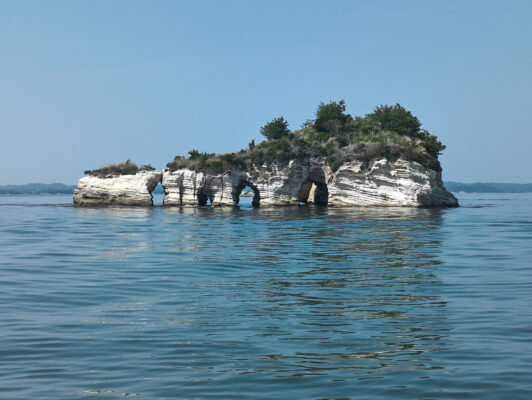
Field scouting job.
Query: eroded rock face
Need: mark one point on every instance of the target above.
(273, 185)
(131, 190)
(186, 187)
(384, 183)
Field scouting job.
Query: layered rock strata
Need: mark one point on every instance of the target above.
(383, 183)
(130, 190)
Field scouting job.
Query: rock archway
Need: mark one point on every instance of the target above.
(314, 192)
(314, 189)
(157, 193)
(238, 190)
(204, 195)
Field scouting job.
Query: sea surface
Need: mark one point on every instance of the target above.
(282, 303)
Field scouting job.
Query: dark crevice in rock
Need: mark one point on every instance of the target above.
(321, 194)
(202, 197)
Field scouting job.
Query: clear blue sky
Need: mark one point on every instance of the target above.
(84, 83)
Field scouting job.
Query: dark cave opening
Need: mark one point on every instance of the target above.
(313, 191)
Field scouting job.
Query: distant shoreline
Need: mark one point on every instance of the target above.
(38, 188)
(488, 187)
(457, 187)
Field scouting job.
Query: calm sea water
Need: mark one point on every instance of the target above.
(285, 303)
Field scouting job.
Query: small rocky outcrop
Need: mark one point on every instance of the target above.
(130, 190)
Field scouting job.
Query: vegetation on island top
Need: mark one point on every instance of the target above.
(124, 168)
(336, 136)
(390, 132)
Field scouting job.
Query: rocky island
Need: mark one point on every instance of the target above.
(381, 159)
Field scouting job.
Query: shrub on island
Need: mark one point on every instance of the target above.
(124, 168)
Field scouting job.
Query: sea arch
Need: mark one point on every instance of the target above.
(314, 189)
(237, 191)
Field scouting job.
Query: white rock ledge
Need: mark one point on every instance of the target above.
(130, 190)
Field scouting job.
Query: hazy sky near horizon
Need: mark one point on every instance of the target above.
(85, 83)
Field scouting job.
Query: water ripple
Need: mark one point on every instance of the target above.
(281, 303)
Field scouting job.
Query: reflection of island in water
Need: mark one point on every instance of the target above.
(304, 290)
(368, 295)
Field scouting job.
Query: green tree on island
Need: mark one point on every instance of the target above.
(275, 129)
(395, 119)
(331, 117)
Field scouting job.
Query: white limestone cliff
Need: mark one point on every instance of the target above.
(117, 189)
(383, 183)
(186, 187)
